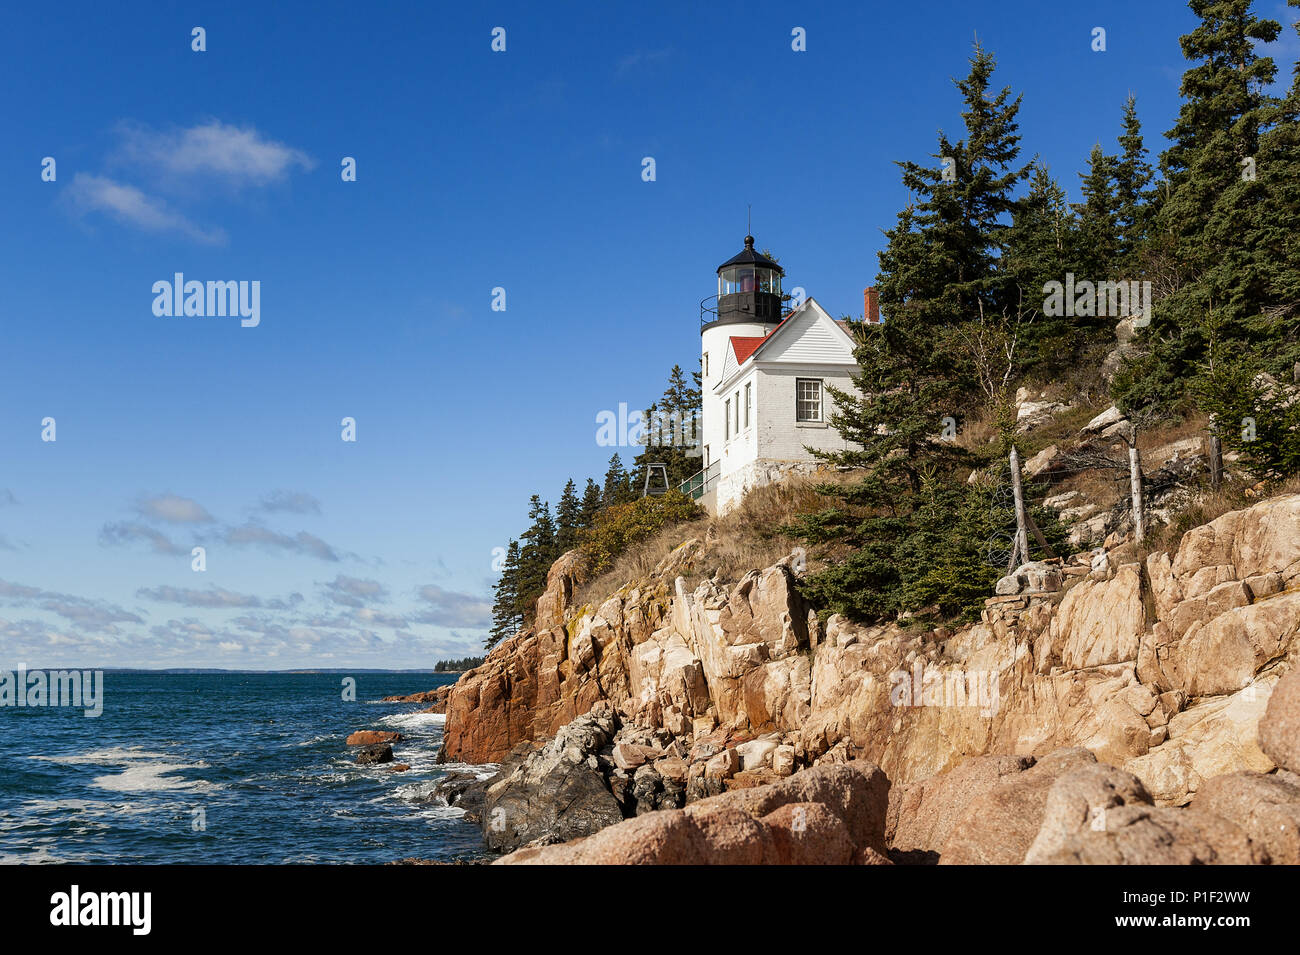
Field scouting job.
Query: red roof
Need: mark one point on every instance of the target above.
(745, 346)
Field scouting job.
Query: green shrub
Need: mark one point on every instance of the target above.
(621, 525)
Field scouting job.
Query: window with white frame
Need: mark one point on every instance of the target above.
(807, 399)
(747, 393)
(726, 421)
(737, 400)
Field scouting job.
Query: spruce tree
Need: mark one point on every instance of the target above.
(507, 616)
(1132, 187)
(591, 504)
(1209, 200)
(617, 488)
(673, 433)
(536, 555)
(944, 281)
(1097, 235)
(568, 518)
(1040, 245)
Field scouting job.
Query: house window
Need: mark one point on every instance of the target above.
(726, 421)
(747, 386)
(738, 412)
(807, 399)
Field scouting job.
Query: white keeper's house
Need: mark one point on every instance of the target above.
(765, 368)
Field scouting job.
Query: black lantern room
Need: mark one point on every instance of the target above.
(749, 289)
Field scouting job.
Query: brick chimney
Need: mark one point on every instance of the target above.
(870, 306)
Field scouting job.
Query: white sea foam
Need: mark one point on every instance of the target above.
(153, 777)
(142, 770)
(480, 770)
(103, 757)
(412, 720)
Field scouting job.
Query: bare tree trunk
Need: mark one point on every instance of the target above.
(1135, 485)
(1022, 537)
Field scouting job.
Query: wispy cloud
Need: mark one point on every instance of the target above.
(93, 615)
(239, 155)
(264, 537)
(129, 532)
(7, 497)
(290, 502)
(448, 608)
(216, 598)
(129, 206)
(640, 58)
(354, 591)
(173, 509)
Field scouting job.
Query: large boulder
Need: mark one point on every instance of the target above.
(1138, 834)
(1279, 730)
(1265, 807)
(824, 815)
(922, 814)
(370, 755)
(555, 793)
(372, 737)
(999, 826)
(1079, 801)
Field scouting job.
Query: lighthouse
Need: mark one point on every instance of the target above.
(747, 306)
(767, 378)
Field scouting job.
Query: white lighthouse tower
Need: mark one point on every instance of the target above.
(747, 306)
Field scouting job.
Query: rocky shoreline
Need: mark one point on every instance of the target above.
(1132, 688)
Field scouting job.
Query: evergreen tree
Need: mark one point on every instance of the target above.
(618, 487)
(1247, 364)
(1210, 203)
(944, 279)
(507, 615)
(536, 555)
(568, 518)
(1097, 235)
(1132, 186)
(673, 437)
(591, 504)
(1040, 244)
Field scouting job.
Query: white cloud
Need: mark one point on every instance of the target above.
(354, 591)
(300, 543)
(449, 608)
(292, 502)
(239, 155)
(130, 206)
(173, 509)
(126, 532)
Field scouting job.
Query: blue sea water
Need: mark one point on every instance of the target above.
(226, 768)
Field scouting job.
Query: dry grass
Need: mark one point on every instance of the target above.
(745, 539)
(1205, 505)
(1153, 439)
(638, 561)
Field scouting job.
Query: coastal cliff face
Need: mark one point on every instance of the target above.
(1160, 668)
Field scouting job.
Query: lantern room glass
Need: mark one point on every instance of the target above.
(747, 279)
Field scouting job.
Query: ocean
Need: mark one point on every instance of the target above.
(227, 769)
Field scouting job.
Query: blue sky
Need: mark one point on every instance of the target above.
(475, 170)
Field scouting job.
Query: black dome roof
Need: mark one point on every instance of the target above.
(749, 257)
